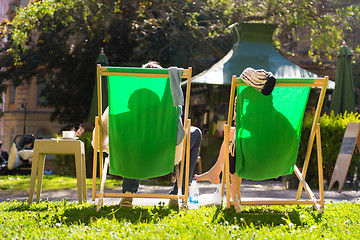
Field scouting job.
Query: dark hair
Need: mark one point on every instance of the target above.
(151, 64)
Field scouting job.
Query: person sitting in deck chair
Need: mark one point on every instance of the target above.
(263, 82)
(132, 185)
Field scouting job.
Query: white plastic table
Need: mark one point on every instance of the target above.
(43, 147)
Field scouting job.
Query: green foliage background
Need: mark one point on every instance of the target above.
(57, 41)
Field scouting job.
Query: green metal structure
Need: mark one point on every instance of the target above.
(253, 48)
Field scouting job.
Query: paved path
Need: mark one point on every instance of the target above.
(270, 189)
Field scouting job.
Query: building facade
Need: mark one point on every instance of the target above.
(24, 112)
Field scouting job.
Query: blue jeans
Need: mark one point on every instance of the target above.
(132, 185)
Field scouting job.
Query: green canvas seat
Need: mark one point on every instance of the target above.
(143, 125)
(268, 130)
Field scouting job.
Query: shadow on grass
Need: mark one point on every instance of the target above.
(72, 213)
(265, 216)
(135, 214)
(251, 216)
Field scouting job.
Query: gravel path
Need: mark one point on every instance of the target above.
(270, 189)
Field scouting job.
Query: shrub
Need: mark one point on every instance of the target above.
(332, 129)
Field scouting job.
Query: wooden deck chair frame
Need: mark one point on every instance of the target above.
(315, 131)
(98, 151)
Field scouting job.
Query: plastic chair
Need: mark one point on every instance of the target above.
(142, 128)
(21, 152)
(267, 138)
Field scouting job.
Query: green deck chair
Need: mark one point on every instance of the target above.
(267, 136)
(143, 123)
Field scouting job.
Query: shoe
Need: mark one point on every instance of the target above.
(173, 203)
(126, 201)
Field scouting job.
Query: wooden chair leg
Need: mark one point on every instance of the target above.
(226, 172)
(96, 144)
(235, 191)
(307, 188)
(102, 185)
(320, 167)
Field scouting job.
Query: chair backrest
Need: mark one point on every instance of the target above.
(24, 142)
(268, 129)
(142, 122)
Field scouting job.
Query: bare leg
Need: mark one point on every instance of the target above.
(213, 175)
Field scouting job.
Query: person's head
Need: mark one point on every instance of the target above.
(151, 64)
(146, 97)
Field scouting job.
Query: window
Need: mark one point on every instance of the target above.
(41, 98)
(12, 93)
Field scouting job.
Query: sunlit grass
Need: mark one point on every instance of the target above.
(66, 220)
(50, 182)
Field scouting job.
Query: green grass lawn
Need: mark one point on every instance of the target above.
(12, 183)
(65, 220)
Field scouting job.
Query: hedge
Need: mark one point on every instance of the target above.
(332, 129)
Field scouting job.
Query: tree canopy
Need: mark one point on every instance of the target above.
(57, 41)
